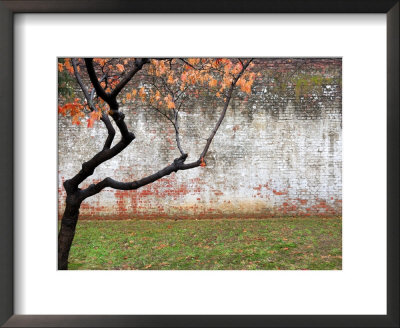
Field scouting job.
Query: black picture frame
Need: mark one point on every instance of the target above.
(7, 11)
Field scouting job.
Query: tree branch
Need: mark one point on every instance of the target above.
(88, 167)
(109, 182)
(81, 84)
(111, 99)
(110, 129)
(176, 126)
(107, 153)
(187, 63)
(93, 78)
(139, 62)
(222, 115)
(89, 98)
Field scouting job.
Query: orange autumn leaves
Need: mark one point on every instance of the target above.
(120, 67)
(76, 109)
(66, 65)
(94, 116)
(162, 84)
(175, 81)
(73, 109)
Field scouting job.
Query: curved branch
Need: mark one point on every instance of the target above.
(221, 117)
(89, 98)
(88, 167)
(107, 153)
(139, 62)
(111, 99)
(187, 63)
(93, 78)
(176, 126)
(111, 131)
(108, 182)
(81, 84)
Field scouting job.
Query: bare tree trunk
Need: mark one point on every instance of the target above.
(67, 233)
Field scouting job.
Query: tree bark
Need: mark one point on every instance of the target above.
(67, 233)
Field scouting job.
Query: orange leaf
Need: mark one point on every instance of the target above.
(68, 66)
(170, 79)
(212, 83)
(62, 110)
(90, 122)
(94, 116)
(184, 76)
(142, 94)
(120, 67)
(75, 120)
(202, 163)
(170, 104)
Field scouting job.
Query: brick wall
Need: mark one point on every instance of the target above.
(277, 152)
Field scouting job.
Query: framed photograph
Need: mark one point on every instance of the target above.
(262, 186)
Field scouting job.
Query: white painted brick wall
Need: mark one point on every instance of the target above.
(273, 155)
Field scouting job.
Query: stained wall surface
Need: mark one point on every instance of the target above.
(278, 151)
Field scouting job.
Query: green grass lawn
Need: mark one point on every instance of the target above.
(225, 244)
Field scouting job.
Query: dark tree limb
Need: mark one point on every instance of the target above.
(139, 62)
(222, 115)
(93, 78)
(88, 167)
(89, 98)
(111, 131)
(174, 123)
(176, 126)
(117, 116)
(109, 182)
(71, 185)
(81, 84)
(187, 63)
(111, 99)
(67, 232)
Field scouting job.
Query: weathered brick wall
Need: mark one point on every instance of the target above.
(277, 153)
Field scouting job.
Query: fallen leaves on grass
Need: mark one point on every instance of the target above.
(208, 244)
